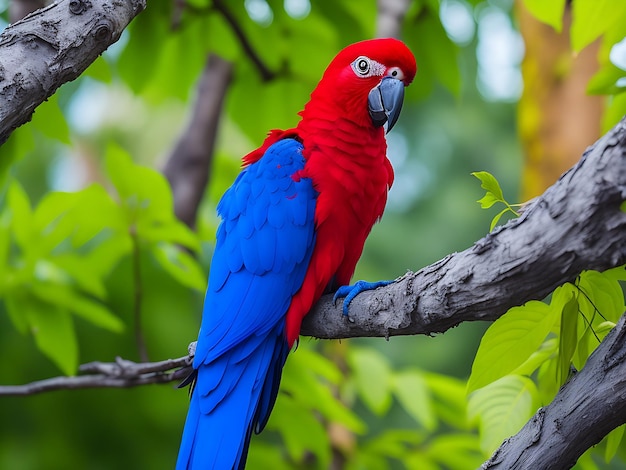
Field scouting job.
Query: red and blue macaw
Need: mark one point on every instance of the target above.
(293, 226)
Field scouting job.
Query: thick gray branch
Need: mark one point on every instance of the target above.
(189, 164)
(588, 407)
(118, 374)
(52, 46)
(576, 225)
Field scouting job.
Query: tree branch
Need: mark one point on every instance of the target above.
(52, 46)
(118, 374)
(576, 225)
(265, 72)
(586, 409)
(188, 166)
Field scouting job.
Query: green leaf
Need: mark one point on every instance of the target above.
(81, 272)
(510, 341)
(61, 215)
(145, 197)
(301, 431)
(21, 215)
(93, 312)
(545, 352)
(497, 218)
(488, 200)
(20, 143)
(5, 245)
(13, 301)
(592, 18)
(317, 364)
(305, 386)
(448, 398)
(613, 113)
(372, 375)
(99, 70)
(490, 184)
(412, 392)
(613, 441)
(173, 232)
(549, 12)
(604, 82)
(180, 265)
(456, 451)
(502, 408)
(602, 296)
(394, 443)
(136, 67)
(564, 299)
(50, 121)
(263, 455)
(54, 334)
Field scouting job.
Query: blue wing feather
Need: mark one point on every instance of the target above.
(262, 252)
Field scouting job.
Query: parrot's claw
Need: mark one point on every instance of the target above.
(348, 293)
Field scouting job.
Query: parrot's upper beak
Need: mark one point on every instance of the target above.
(385, 102)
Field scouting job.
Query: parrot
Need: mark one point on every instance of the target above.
(293, 226)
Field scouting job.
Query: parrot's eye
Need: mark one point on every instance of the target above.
(366, 67)
(395, 72)
(361, 65)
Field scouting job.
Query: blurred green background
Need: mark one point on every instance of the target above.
(460, 116)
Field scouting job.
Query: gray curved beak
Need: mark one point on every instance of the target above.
(385, 102)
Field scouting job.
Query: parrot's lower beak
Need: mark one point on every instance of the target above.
(385, 102)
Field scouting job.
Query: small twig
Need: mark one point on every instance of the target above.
(266, 74)
(119, 374)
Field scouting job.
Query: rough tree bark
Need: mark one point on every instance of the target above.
(52, 46)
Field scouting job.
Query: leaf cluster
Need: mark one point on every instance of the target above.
(58, 255)
(315, 415)
(530, 352)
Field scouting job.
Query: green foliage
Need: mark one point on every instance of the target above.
(493, 195)
(502, 407)
(528, 353)
(58, 255)
(315, 399)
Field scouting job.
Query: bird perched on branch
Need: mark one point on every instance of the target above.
(293, 226)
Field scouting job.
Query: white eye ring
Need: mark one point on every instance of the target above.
(361, 66)
(395, 72)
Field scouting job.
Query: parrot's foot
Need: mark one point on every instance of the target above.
(348, 293)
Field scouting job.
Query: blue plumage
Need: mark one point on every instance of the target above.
(262, 252)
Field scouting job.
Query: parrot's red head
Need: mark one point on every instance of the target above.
(361, 90)
(366, 81)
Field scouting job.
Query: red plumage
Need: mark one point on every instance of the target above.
(346, 159)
